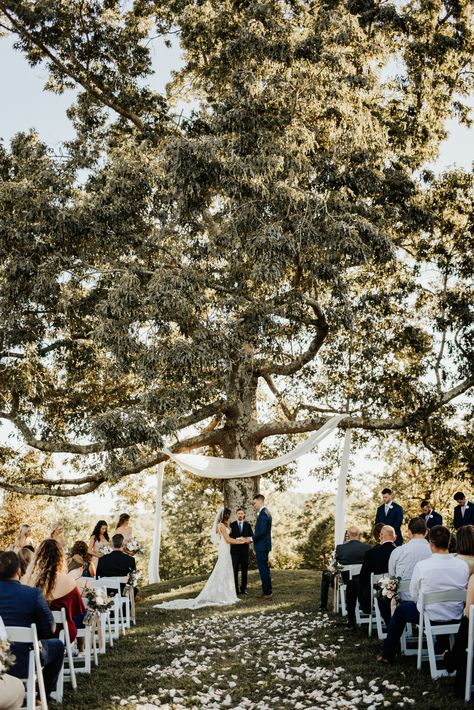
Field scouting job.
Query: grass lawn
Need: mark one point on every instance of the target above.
(255, 655)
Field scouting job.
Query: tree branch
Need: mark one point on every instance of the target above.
(279, 397)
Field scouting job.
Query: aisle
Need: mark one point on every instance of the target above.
(255, 656)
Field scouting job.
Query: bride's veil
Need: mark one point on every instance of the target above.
(217, 520)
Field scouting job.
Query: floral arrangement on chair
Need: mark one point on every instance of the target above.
(134, 578)
(7, 659)
(97, 602)
(335, 568)
(387, 587)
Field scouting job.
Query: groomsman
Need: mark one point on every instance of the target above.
(390, 513)
(463, 512)
(240, 553)
(430, 516)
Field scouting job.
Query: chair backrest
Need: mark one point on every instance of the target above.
(59, 617)
(109, 582)
(22, 634)
(448, 595)
(3, 631)
(404, 586)
(353, 570)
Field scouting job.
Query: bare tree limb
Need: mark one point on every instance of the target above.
(278, 396)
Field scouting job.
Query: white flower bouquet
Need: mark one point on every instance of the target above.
(335, 567)
(134, 547)
(97, 602)
(7, 659)
(387, 587)
(105, 549)
(134, 578)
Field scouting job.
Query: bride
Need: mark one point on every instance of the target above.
(220, 587)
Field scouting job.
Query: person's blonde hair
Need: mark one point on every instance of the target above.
(47, 563)
(20, 538)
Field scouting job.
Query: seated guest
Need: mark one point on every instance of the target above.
(78, 568)
(349, 553)
(437, 573)
(403, 560)
(456, 659)
(48, 573)
(463, 511)
(375, 562)
(430, 516)
(22, 606)
(12, 693)
(117, 563)
(465, 545)
(80, 550)
(376, 532)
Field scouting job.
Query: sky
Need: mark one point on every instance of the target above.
(25, 105)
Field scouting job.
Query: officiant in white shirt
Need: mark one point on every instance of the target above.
(240, 553)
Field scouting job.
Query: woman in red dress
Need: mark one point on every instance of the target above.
(48, 572)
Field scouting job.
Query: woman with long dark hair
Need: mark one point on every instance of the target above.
(124, 528)
(98, 539)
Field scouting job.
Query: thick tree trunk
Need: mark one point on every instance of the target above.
(239, 493)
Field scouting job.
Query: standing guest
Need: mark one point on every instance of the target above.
(403, 560)
(430, 516)
(262, 540)
(124, 528)
(21, 605)
(437, 573)
(99, 537)
(463, 511)
(240, 553)
(57, 534)
(23, 539)
(117, 563)
(12, 692)
(465, 546)
(48, 573)
(375, 562)
(456, 659)
(390, 513)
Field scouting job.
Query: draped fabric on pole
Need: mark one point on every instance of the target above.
(340, 523)
(212, 467)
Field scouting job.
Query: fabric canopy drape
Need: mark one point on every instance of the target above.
(212, 467)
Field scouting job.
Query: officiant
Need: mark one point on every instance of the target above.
(240, 553)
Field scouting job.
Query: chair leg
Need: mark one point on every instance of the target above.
(470, 650)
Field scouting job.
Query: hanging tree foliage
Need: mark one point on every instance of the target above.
(284, 237)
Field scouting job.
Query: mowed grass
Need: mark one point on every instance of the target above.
(271, 667)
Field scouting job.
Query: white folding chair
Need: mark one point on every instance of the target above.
(28, 635)
(379, 622)
(119, 602)
(105, 620)
(431, 631)
(470, 655)
(409, 640)
(69, 672)
(353, 571)
(90, 649)
(374, 578)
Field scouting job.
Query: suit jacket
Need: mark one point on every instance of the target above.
(432, 519)
(262, 537)
(115, 564)
(22, 606)
(351, 552)
(239, 550)
(394, 518)
(375, 562)
(468, 519)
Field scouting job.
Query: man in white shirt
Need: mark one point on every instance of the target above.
(437, 573)
(403, 560)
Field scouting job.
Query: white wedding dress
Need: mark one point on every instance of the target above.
(219, 589)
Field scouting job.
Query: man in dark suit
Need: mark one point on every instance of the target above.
(240, 553)
(262, 544)
(430, 516)
(463, 512)
(375, 562)
(21, 605)
(390, 513)
(351, 552)
(117, 563)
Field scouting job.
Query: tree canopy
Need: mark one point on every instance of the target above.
(274, 253)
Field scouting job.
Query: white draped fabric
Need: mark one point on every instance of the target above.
(340, 515)
(212, 467)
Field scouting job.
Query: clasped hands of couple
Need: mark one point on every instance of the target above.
(244, 540)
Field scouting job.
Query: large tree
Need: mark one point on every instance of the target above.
(274, 253)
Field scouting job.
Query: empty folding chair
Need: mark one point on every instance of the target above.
(69, 672)
(118, 620)
(25, 634)
(374, 578)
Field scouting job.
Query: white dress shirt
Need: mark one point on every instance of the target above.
(403, 559)
(439, 573)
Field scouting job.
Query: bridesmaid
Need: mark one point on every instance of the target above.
(99, 537)
(23, 539)
(124, 528)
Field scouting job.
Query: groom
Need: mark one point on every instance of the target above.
(240, 553)
(262, 544)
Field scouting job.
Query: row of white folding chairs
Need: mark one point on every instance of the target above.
(123, 616)
(361, 618)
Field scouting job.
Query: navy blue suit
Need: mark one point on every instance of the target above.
(262, 544)
(468, 519)
(22, 606)
(394, 518)
(432, 519)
